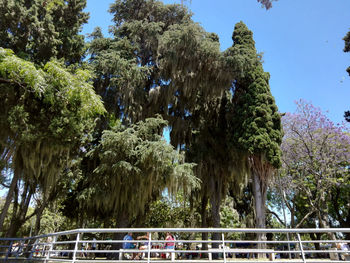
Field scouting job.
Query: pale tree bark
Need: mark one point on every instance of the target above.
(259, 190)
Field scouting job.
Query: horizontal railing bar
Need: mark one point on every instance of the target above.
(192, 261)
(194, 241)
(62, 242)
(326, 241)
(212, 230)
(326, 251)
(63, 250)
(60, 260)
(186, 230)
(11, 239)
(178, 251)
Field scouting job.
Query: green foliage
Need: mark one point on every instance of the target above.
(229, 216)
(51, 221)
(41, 29)
(131, 157)
(158, 62)
(256, 122)
(47, 114)
(192, 63)
(170, 213)
(127, 70)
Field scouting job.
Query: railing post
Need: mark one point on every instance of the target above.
(9, 250)
(76, 248)
(223, 246)
(301, 248)
(53, 241)
(149, 247)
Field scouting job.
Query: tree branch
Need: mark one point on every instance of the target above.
(8, 81)
(276, 215)
(305, 217)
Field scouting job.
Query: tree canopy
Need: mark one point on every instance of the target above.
(83, 126)
(47, 113)
(135, 166)
(256, 124)
(315, 159)
(42, 29)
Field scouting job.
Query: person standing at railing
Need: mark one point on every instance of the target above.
(169, 245)
(93, 247)
(144, 245)
(129, 245)
(343, 247)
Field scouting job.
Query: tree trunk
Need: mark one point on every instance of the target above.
(324, 223)
(122, 222)
(8, 201)
(215, 201)
(259, 189)
(204, 223)
(38, 220)
(23, 208)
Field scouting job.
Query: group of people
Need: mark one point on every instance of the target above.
(128, 244)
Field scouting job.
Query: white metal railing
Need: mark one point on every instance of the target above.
(102, 245)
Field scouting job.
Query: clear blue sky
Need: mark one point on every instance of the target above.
(301, 41)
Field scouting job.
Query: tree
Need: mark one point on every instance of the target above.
(217, 162)
(220, 165)
(39, 30)
(48, 114)
(256, 123)
(315, 165)
(168, 212)
(266, 3)
(159, 61)
(131, 157)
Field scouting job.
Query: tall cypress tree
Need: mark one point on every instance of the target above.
(256, 123)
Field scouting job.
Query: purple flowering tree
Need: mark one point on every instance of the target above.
(266, 3)
(316, 157)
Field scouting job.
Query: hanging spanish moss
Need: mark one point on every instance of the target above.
(48, 114)
(135, 166)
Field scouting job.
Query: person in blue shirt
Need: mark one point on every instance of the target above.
(128, 244)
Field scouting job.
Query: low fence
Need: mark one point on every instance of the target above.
(222, 245)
